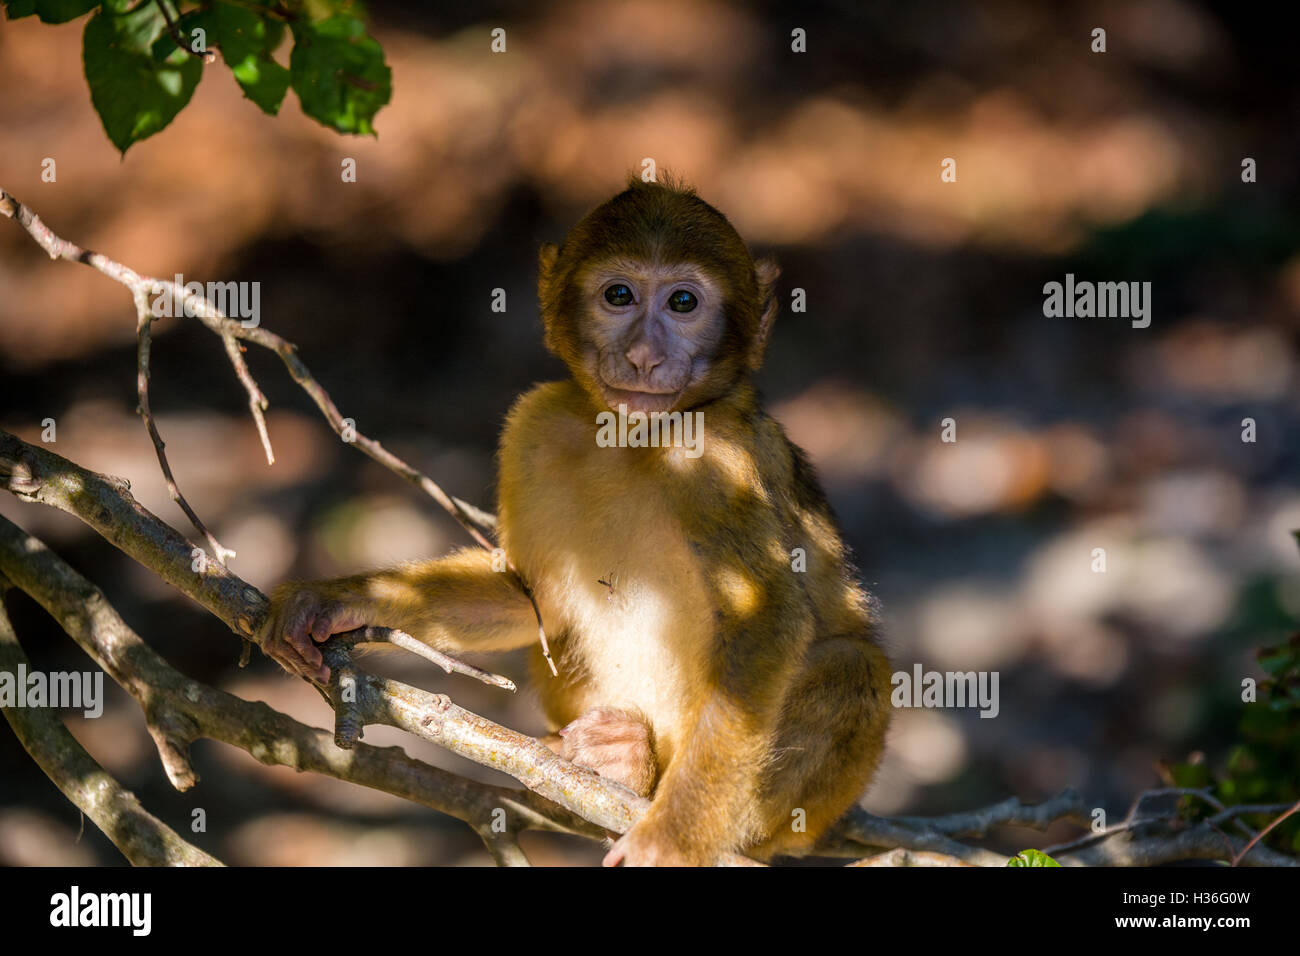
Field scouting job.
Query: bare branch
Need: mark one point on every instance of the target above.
(388, 635)
(1236, 860)
(1066, 805)
(257, 402)
(1170, 845)
(503, 847)
(868, 830)
(1145, 842)
(143, 839)
(40, 475)
(105, 504)
(226, 327)
(1248, 809)
(37, 474)
(484, 519)
(362, 699)
(144, 319)
(180, 710)
(1132, 821)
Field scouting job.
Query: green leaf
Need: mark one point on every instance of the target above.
(50, 11)
(247, 40)
(1191, 775)
(1277, 659)
(134, 94)
(339, 73)
(1032, 858)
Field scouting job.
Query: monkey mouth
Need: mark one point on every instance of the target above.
(640, 400)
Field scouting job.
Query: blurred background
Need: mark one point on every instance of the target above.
(924, 302)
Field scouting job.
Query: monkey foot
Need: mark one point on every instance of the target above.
(617, 744)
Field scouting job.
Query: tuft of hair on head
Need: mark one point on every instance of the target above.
(664, 179)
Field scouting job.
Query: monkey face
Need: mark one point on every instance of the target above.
(654, 302)
(652, 331)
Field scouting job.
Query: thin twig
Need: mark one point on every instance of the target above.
(1010, 812)
(275, 12)
(299, 372)
(144, 319)
(484, 519)
(389, 635)
(257, 402)
(503, 846)
(1132, 821)
(207, 56)
(1244, 809)
(1263, 833)
(219, 323)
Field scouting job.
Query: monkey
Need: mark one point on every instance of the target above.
(715, 650)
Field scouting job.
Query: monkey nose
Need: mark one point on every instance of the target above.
(644, 358)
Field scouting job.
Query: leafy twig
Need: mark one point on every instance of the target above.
(207, 56)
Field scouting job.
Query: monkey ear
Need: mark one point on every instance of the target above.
(546, 257)
(766, 271)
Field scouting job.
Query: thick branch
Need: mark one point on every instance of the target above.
(180, 710)
(1066, 805)
(143, 839)
(107, 506)
(868, 830)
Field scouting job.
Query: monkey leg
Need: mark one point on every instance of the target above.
(617, 744)
(830, 740)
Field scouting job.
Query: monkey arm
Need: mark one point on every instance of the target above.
(456, 603)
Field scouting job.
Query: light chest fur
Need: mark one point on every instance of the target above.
(611, 564)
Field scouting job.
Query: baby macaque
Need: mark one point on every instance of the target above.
(715, 650)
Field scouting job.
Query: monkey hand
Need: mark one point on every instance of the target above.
(649, 843)
(301, 615)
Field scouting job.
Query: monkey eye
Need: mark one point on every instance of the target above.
(618, 294)
(682, 301)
